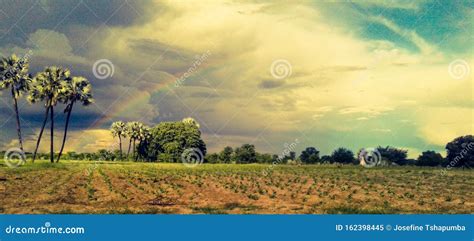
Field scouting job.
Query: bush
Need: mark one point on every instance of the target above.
(430, 158)
(343, 155)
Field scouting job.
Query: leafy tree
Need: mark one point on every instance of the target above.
(392, 154)
(310, 155)
(105, 155)
(430, 158)
(343, 155)
(78, 90)
(226, 154)
(49, 86)
(212, 158)
(118, 130)
(14, 76)
(264, 158)
(461, 152)
(191, 121)
(245, 154)
(168, 140)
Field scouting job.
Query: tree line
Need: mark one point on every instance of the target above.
(52, 86)
(460, 153)
(166, 142)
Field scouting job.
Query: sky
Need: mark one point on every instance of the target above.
(327, 74)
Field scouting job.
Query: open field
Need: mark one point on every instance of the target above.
(118, 187)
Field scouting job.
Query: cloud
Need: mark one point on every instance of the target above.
(343, 83)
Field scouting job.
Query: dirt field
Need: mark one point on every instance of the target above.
(84, 187)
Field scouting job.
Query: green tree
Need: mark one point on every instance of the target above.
(14, 76)
(105, 155)
(343, 155)
(118, 129)
(430, 158)
(461, 152)
(226, 154)
(78, 90)
(245, 154)
(212, 158)
(310, 155)
(392, 154)
(264, 158)
(49, 86)
(168, 140)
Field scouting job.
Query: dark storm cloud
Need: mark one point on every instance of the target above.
(18, 19)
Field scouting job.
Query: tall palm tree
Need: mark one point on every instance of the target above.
(128, 133)
(133, 132)
(142, 135)
(14, 76)
(49, 86)
(118, 129)
(78, 90)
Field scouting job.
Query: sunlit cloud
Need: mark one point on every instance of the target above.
(379, 74)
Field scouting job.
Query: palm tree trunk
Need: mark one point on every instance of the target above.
(18, 127)
(136, 156)
(120, 143)
(41, 133)
(65, 129)
(129, 145)
(51, 155)
(133, 157)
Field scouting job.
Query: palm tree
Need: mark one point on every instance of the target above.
(143, 133)
(78, 90)
(118, 129)
(133, 132)
(49, 86)
(14, 75)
